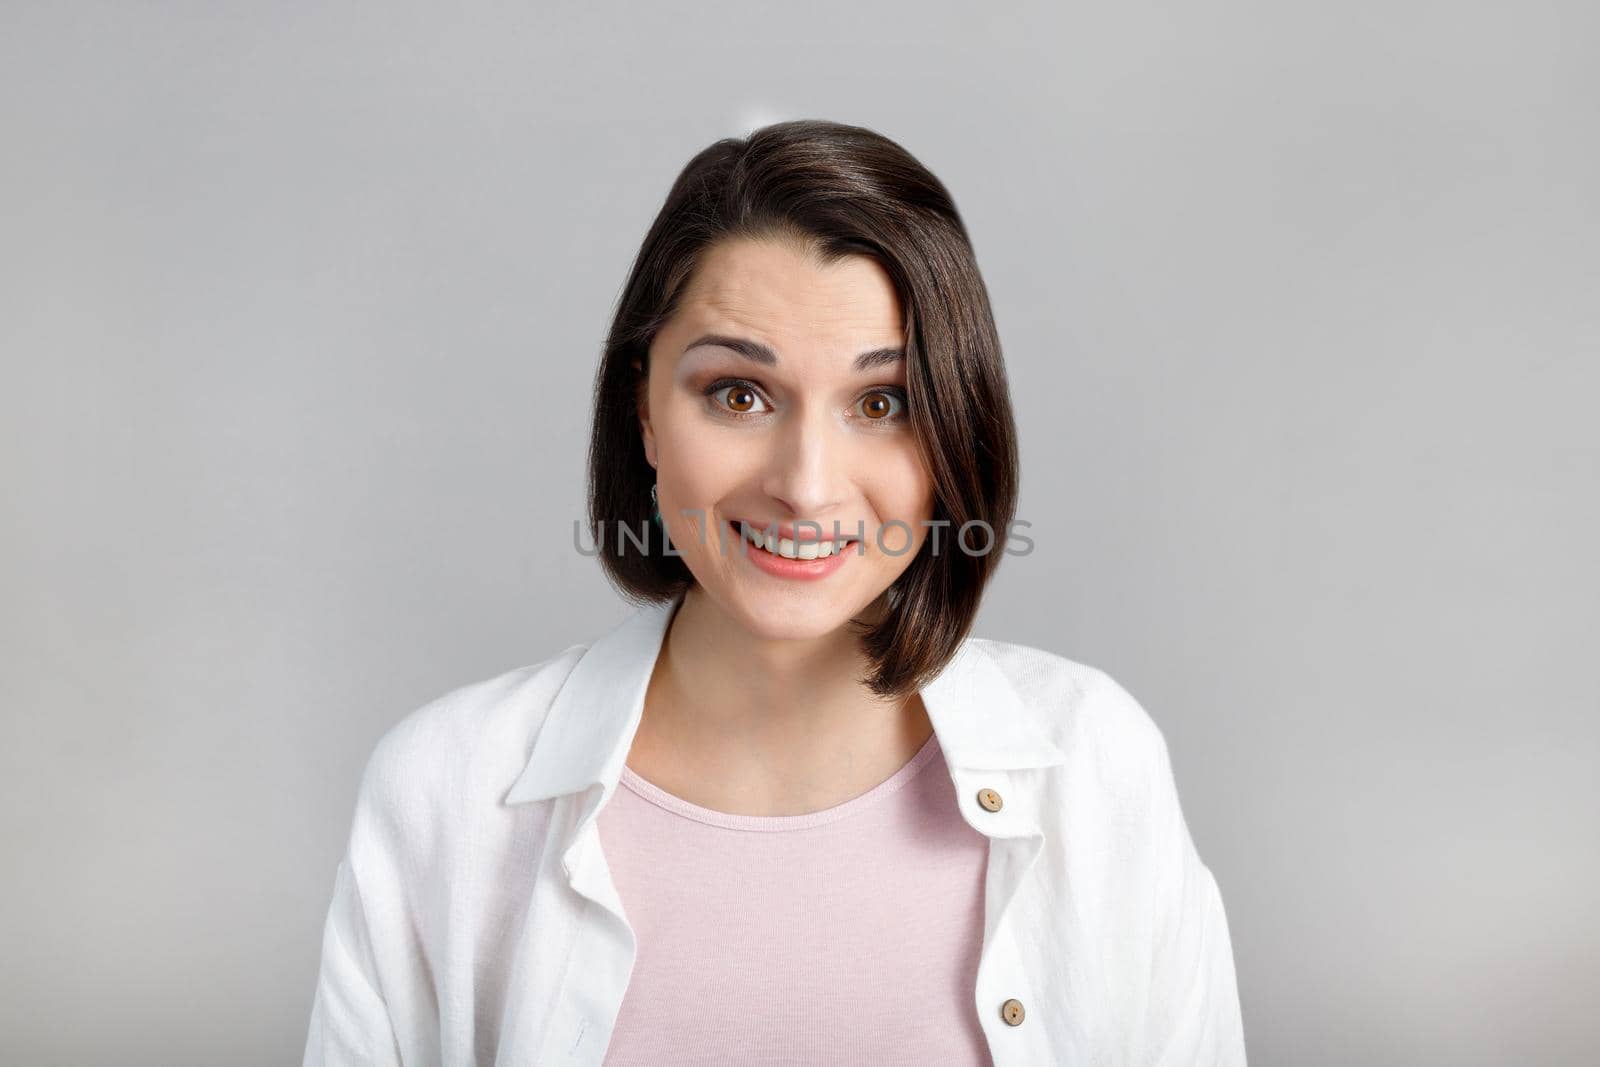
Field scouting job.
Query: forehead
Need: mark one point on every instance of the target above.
(776, 290)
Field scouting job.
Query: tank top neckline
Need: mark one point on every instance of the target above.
(779, 823)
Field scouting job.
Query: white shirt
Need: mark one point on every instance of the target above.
(474, 920)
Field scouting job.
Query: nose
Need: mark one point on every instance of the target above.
(807, 472)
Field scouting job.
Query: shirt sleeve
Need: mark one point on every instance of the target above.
(1194, 1018)
(350, 1022)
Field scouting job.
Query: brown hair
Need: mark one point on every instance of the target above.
(838, 190)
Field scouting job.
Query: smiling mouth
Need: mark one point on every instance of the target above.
(787, 548)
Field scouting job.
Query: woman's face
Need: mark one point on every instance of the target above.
(757, 410)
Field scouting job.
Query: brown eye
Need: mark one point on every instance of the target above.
(879, 406)
(741, 398)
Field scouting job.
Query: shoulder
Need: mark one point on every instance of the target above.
(1085, 711)
(459, 748)
(1118, 772)
(500, 708)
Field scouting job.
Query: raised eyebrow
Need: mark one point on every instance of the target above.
(880, 357)
(757, 352)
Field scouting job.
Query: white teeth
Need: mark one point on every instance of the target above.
(790, 549)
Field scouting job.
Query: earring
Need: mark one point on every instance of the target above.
(655, 506)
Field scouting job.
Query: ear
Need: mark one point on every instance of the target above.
(642, 404)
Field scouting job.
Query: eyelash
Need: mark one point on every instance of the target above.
(720, 384)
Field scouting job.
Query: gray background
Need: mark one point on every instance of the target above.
(300, 310)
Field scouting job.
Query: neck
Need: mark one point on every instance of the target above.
(778, 725)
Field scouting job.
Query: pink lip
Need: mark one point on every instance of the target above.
(802, 569)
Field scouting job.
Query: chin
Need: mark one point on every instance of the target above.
(798, 615)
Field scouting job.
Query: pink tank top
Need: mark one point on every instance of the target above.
(850, 935)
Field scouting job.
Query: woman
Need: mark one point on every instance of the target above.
(789, 811)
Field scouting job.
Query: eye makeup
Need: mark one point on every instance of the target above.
(718, 407)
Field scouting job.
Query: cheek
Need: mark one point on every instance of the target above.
(900, 488)
(698, 462)
(701, 484)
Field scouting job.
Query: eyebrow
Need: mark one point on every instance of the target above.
(757, 352)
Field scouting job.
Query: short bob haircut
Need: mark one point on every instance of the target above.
(832, 190)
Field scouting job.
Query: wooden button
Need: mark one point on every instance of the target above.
(1011, 1011)
(989, 799)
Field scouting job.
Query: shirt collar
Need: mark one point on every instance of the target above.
(980, 720)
